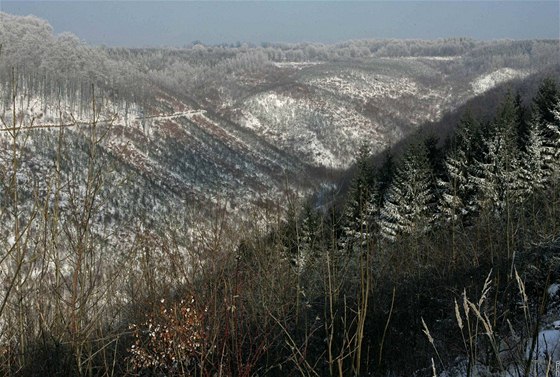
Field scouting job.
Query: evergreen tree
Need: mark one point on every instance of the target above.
(435, 155)
(454, 199)
(361, 205)
(545, 101)
(533, 169)
(307, 237)
(458, 188)
(290, 229)
(407, 206)
(364, 179)
(543, 111)
(552, 143)
(437, 165)
(385, 174)
(522, 124)
(496, 172)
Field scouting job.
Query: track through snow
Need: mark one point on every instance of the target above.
(186, 114)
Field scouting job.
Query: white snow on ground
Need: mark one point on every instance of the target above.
(547, 346)
(487, 82)
(250, 121)
(324, 129)
(187, 114)
(365, 86)
(322, 133)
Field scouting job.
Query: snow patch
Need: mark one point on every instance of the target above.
(547, 346)
(248, 120)
(553, 290)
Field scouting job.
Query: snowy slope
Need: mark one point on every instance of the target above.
(488, 81)
(326, 112)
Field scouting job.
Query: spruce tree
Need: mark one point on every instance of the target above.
(435, 155)
(533, 169)
(361, 205)
(385, 174)
(458, 189)
(307, 237)
(543, 111)
(545, 101)
(407, 208)
(522, 124)
(552, 143)
(496, 172)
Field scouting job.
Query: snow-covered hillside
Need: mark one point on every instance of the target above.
(208, 122)
(324, 113)
(488, 81)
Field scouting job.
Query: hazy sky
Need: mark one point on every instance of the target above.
(176, 23)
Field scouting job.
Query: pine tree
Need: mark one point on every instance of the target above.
(495, 174)
(359, 222)
(533, 169)
(361, 205)
(407, 208)
(308, 237)
(435, 155)
(545, 101)
(523, 125)
(546, 106)
(300, 233)
(458, 188)
(364, 178)
(453, 203)
(552, 143)
(385, 174)
(289, 234)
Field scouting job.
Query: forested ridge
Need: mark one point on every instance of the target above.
(63, 61)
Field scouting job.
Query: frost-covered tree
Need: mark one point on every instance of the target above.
(551, 151)
(457, 199)
(540, 152)
(496, 172)
(407, 208)
(361, 206)
(435, 155)
(533, 170)
(359, 222)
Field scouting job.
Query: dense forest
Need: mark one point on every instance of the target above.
(472, 218)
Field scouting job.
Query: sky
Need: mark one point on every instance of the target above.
(178, 23)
